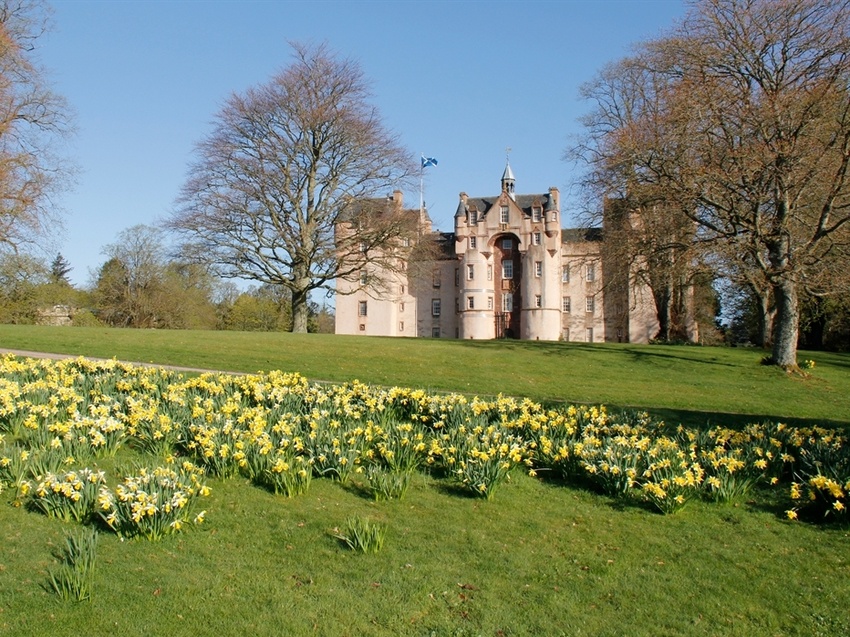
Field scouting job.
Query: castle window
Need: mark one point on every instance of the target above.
(361, 308)
(504, 216)
(565, 305)
(457, 277)
(565, 274)
(435, 307)
(401, 326)
(489, 302)
(470, 272)
(591, 272)
(363, 278)
(538, 268)
(435, 331)
(507, 244)
(508, 302)
(589, 304)
(405, 242)
(536, 238)
(436, 278)
(589, 333)
(489, 272)
(362, 246)
(362, 327)
(470, 303)
(473, 215)
(536, 214)
(538, 300)
(473, 242)
(401, 307)
(507, 269)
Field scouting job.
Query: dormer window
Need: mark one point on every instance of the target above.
(537, 214)
(504, 216)
(473, 216)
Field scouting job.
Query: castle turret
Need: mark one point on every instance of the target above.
(509, 182)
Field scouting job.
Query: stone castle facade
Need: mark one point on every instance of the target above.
(509, 270)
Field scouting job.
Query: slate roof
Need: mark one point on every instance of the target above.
(372, 206)
(577, 235)
(483, 204)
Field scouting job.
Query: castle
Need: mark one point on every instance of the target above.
(509, 270)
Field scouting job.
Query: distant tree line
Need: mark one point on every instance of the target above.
(139, 286)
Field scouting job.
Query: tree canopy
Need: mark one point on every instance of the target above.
(33, 119)
(739, 118)
(286, 163)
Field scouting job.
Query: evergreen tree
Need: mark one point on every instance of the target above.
(59, 269)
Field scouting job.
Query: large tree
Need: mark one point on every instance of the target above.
(286, 164)
(32, 120)
(747, 129)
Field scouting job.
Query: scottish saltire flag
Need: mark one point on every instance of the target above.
(428, 161)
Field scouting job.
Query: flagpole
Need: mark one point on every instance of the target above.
(424, 162)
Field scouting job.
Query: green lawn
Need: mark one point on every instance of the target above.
(540, 558)
(694, 385)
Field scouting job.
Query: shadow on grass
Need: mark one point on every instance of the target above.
(707, 419)
(690, 353)
(455, 490)
(359, 489)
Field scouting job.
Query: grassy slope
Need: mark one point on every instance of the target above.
(688, 384)
(540, 559)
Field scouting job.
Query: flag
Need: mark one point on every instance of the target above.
(428, 161)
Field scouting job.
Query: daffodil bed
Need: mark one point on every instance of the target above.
(280, 431)
(141, 453)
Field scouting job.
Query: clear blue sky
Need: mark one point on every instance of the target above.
(459, 81)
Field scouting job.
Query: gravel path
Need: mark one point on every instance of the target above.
(58, 357)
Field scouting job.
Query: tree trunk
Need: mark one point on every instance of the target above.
(300, 311)
(787, 324)
(663, 295)
(766, 318)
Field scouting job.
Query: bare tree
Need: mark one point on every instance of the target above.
(32, 120)
(646, 231)
(748, 131)
(286, 164)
